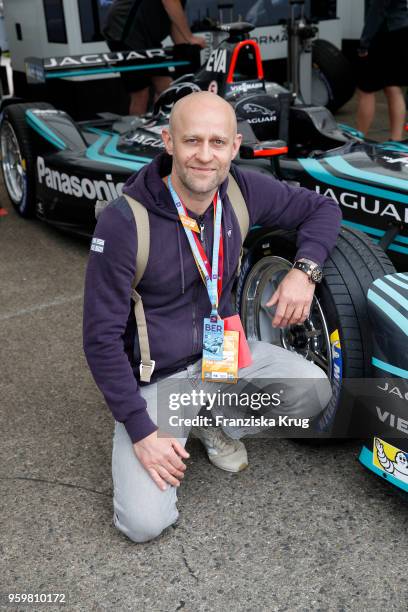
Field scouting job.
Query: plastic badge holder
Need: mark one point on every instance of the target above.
(225, 370)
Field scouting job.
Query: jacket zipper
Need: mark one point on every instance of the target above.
(202, 228)
(196, 288)
(195, 331)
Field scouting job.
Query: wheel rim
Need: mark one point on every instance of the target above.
(12, 163)
(311, 339)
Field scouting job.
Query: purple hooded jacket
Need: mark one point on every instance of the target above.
(174, 297)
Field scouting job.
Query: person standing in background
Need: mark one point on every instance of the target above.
(143, 24)
(383, 63)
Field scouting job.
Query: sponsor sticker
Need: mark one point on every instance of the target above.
(246, 86)
(77, 186)
(390, 459)
(336, 380)
(103, 58)
(250, 107)
(337, 361)
(217, 62)
(146, 140)
(396, 160)
(364, 203)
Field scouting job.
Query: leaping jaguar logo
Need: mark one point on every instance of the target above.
(170, 96)
(250, 107)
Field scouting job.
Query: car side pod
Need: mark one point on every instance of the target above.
(385, 419)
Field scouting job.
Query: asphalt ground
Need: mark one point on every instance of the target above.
(305, 527)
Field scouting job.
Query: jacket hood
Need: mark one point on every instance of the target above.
(147, 187)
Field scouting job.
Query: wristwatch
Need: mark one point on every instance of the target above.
(310, 268)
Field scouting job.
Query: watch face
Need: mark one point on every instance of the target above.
(316, 275)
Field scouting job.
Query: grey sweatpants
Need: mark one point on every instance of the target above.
(141, 510)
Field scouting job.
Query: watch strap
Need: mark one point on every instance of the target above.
(310, 268)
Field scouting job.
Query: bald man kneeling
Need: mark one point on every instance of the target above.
(195, 244)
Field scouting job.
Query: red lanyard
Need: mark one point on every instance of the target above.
(204, 256)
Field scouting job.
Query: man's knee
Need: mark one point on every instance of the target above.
(310, 392)
(306, 397)
(143, 527)
(306, 394)
(306, 388)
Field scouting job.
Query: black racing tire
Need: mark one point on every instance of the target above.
(343, 349)
(15, 131)
(333, 79)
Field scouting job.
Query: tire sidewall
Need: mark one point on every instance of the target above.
(14, 114)
(285, 246)
(26, 205)
(334, 70)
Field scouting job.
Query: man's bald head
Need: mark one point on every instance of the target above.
(202, 139)
(200, 102)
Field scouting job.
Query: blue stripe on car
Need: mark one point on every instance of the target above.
(74, 73)
(391, 145)
(374, 231)
(318, 172)
(41, 128)
(93, 153)
(366, 458)
(387, 367)
(392, 293)
(350, 130)
(377, 232)
(111, 149)
(398, 249)
(394, 280)
(341, 165)
(390, 311)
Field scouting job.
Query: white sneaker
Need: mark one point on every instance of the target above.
(223, 452)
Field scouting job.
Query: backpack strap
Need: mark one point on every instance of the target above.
(240, 208)
(238, 203)
(143, 246)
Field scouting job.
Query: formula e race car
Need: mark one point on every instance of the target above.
(57, 169)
